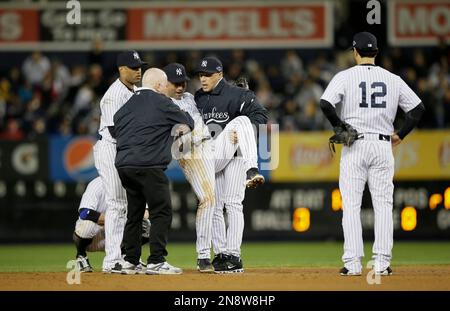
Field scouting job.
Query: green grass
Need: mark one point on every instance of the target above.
(15, 258)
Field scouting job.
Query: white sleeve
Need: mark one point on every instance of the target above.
(407, 99)
(93, 195)
(334, 92)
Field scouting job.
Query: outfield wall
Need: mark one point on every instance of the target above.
(41, 183)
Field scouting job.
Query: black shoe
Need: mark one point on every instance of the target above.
(219, 260)
(387, 271)
(345, 272)
(232, 265)
(254, 178)
(117, 268)
(204, 265)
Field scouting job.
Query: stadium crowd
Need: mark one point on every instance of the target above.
(45, 96)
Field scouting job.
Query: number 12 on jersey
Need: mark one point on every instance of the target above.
(376, 92)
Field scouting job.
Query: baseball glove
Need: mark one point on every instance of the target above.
(345, 134)
(241, 82)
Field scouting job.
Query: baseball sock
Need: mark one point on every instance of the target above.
(81, 244)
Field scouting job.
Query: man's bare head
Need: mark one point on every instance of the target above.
(155, 79)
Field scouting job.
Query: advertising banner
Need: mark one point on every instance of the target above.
(23, 160)
(423, 155)
(72, 159)
(418, 22)
(163, 25)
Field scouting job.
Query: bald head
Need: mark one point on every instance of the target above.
(155, 79)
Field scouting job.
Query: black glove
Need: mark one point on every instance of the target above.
(344, 134)
(241, 82)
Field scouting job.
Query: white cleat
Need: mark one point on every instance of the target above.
(162, 268)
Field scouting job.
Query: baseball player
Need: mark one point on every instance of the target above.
(227, 109)
(370, 96)
(197, 165)
(89, 233)
(129, 65)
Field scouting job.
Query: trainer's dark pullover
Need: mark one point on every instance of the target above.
(143, 127)
(226, 102)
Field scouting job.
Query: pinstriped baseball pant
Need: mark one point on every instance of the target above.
(116, 200)
(230, 185)
(368, 160)
(87, 229)
(199, 171)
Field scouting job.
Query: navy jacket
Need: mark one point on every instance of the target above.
(143, 127)
(226, 102)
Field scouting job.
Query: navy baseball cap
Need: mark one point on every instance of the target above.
(209, 65)
(365, 41)
(130, 59)
(176, 73)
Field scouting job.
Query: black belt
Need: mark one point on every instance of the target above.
(380, 137)
(384, 137)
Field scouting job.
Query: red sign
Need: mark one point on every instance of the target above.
(17, 25)
(226, 25)
(418, 22)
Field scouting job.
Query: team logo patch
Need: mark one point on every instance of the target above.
(136, 55)
(204, 63)
(179, 72)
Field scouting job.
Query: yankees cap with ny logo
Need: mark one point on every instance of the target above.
(176, 73)
(209, 65)
(130, 59)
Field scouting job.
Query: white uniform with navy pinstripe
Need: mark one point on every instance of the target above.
(230, 184)
(370, 96)
(198, 167)
(104, 154)
(93, 198)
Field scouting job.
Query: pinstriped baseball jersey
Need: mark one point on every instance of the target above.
(94, 196)
(114, 98)
(370, 96)
(187, 103)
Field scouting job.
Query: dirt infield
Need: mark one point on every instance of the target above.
(283, 279)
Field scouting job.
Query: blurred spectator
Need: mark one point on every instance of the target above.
(35, 68)
(291, 64)
(96, 55)
(12, 131)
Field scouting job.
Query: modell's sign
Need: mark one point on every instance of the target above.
(167, 25)
(418, 22)
(229, 24)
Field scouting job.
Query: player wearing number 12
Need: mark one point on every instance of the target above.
(370, 96)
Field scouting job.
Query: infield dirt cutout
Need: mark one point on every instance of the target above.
(278, 279)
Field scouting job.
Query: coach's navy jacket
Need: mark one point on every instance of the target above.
(143, 127)
(226, 102)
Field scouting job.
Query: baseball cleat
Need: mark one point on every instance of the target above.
(218, 260)
(204, 265)
(254, 178)
(233, 264)
(83, 264)
(345, 272)
(387, 271)
(162, 268)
